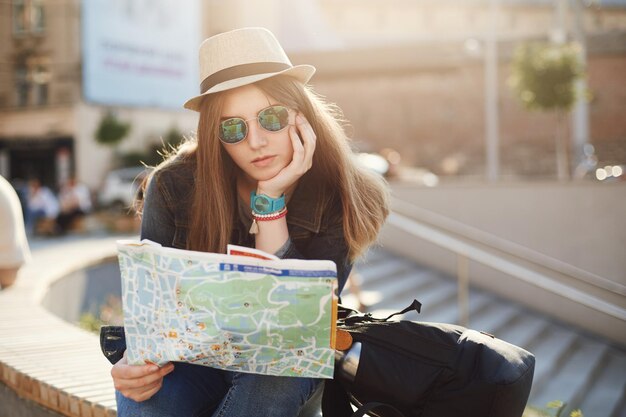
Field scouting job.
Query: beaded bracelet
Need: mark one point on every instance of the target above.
(254, 229)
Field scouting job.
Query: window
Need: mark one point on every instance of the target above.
(41, 80)
(37, 16)
(32, 74)
(28, 16)
(21, 85)
(19, 16)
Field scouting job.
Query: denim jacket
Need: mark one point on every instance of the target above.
(314, 221)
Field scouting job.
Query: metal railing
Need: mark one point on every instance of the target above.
(499, 254)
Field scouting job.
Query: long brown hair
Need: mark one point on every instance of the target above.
(363, 194)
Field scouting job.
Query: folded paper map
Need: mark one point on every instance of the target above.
(248, 312)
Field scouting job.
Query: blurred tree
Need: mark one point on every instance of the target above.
(111, 131)
(151, 156)
(155, 152)
(173, 138)
(131, 158)
(543, 76)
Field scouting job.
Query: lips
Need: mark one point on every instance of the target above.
(263, 161)
(262, 158)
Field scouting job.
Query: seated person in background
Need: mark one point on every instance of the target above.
(42, 204)
(14, 251)
(75, 201)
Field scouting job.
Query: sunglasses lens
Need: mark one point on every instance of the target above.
(274, 118)
(233, 130)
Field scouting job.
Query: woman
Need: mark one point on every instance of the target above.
(272, 169)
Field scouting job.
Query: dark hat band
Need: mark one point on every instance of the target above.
(239, 71)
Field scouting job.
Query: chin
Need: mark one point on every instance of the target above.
(264, 175)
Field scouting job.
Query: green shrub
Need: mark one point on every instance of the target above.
(110, 314)
(552, 409)
(111, 131)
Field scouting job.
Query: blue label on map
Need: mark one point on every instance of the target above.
(275, 271)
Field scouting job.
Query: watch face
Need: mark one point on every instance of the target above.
(262, 204)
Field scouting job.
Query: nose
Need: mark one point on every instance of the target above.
(256, 136)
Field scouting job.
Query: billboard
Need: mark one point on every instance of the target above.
(140, 53)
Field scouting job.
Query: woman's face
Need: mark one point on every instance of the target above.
(262, 154)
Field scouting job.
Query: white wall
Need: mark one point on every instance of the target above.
(93, 160)
(580, 223)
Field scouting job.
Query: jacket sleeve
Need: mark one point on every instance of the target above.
(157, 222)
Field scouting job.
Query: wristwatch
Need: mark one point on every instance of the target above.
(264, 204)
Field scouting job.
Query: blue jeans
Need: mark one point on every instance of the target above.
(195, 391)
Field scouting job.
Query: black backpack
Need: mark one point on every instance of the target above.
(421, 369)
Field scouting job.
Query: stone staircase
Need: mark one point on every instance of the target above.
(572, 366)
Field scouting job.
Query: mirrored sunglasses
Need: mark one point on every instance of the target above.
(273, 119)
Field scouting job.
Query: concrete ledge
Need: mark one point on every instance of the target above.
(44, 359)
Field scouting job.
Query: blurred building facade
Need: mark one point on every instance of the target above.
(40, 65)
(409, 74)
(420, 66)
(47, 128)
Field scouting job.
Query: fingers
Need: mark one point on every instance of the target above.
(305, 127)
(307, 146)
(137, 376)
(128, 377)
(298, 147)
(303, 138)
(138, 382)
(142, 393)
(142, 389)
(125, 371)
(146, 395)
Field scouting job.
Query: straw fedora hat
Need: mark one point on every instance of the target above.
(240, 57)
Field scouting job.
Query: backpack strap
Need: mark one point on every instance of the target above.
(370, 406)
(336, 403)
(112, 342)
(415, 305)
(335, 400)
(360, 318)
